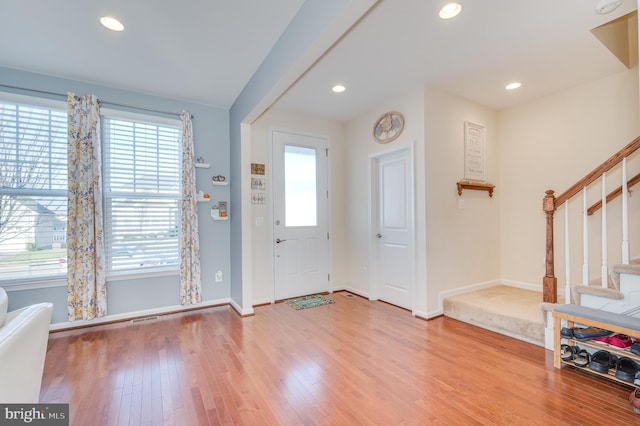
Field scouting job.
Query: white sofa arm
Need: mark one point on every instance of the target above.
(23, 347)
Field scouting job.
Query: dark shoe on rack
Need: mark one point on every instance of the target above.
(626, 369)
(635, 348)
(568, 352)
(582, 358)
(590, 333)
(636, 380)
(600, 362)
(566, 333)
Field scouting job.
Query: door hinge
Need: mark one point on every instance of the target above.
(326, 152)
(327, 235)
(328, 277)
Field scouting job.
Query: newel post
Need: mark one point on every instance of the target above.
(549, 282)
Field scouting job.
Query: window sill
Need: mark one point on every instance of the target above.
(61, 281)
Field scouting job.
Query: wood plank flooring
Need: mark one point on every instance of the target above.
(353, 362)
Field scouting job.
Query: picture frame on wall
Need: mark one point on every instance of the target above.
(474, 152)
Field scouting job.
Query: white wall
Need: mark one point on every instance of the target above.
(463, 245)
(262, 245)
(360, 145)
(551, 143)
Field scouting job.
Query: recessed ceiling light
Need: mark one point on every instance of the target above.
(607, 6)
(338, 88)
(111, 23)
(513, 86)
(450, 10)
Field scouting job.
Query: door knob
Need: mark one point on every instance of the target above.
(379, 235)
(278, 241)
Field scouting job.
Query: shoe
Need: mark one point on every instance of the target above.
(635, 348)
(566, 333)
(582, 359)
(626, 369)
(604, 340)
(636, 380)
(600, 362)
(634, 399)
(620, 341)
(590, 333)
(568, 352)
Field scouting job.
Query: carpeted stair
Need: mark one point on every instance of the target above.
(507, 310)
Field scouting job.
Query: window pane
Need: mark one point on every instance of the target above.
(33, 183)
(300, 186)
(142, 193)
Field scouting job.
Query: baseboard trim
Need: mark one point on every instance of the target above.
(242, 312)
(59, 326)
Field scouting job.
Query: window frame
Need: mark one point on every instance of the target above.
(30, 283)
(148, 272)
(27, 283)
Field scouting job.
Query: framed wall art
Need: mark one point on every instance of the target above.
(388, 127)
(474, 152)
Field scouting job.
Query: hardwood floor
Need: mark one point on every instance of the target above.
(353, 362)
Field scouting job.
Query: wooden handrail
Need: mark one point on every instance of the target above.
(613, 194)
(550, 203)
(594, 174)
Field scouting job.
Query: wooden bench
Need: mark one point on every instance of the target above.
(576, 314)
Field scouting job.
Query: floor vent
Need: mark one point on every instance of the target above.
(349, 295)
(137, 320)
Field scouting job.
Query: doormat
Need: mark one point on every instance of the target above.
(309, 302)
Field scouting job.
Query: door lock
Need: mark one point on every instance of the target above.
(379, 235)
(278, 241)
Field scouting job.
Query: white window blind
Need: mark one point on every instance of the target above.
(33, 191)
(142, 180)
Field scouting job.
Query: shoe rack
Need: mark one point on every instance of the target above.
(595, 346)
(592, 346)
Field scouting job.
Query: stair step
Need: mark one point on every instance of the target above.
(507, 310)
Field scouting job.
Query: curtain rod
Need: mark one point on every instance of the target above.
(99, 100)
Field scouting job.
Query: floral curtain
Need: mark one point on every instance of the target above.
(190, 281)
(86, 286)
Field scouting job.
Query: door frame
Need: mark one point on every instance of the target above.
(272, 206)
(374, 217)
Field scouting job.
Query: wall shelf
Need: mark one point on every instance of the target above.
(225, 183)
(480, 186)
(201, 165)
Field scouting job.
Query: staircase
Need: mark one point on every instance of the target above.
(620, 290)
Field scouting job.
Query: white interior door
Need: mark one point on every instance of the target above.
(300, 228)
(393, 239)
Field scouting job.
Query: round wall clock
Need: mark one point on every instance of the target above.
(388, 127)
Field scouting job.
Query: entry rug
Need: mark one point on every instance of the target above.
(309, 302)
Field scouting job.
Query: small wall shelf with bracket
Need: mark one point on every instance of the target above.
(481, 186)
(202, 165)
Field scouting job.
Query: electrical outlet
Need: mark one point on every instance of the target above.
(219, 276)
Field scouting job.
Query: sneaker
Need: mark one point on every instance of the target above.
(620, 341)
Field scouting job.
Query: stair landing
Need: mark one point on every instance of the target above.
(507, 310)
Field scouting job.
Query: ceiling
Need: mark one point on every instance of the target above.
(206, 51)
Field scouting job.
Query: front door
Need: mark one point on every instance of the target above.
(301, 238)
(392, 214)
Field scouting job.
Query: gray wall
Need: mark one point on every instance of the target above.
(211, 135)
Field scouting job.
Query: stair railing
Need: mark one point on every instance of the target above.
(550, 204)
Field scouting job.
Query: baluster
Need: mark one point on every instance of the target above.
(625, 214)
(604, 272)
(585, 238)
(567, 255)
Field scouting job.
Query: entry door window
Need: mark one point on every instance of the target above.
(300, 186)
